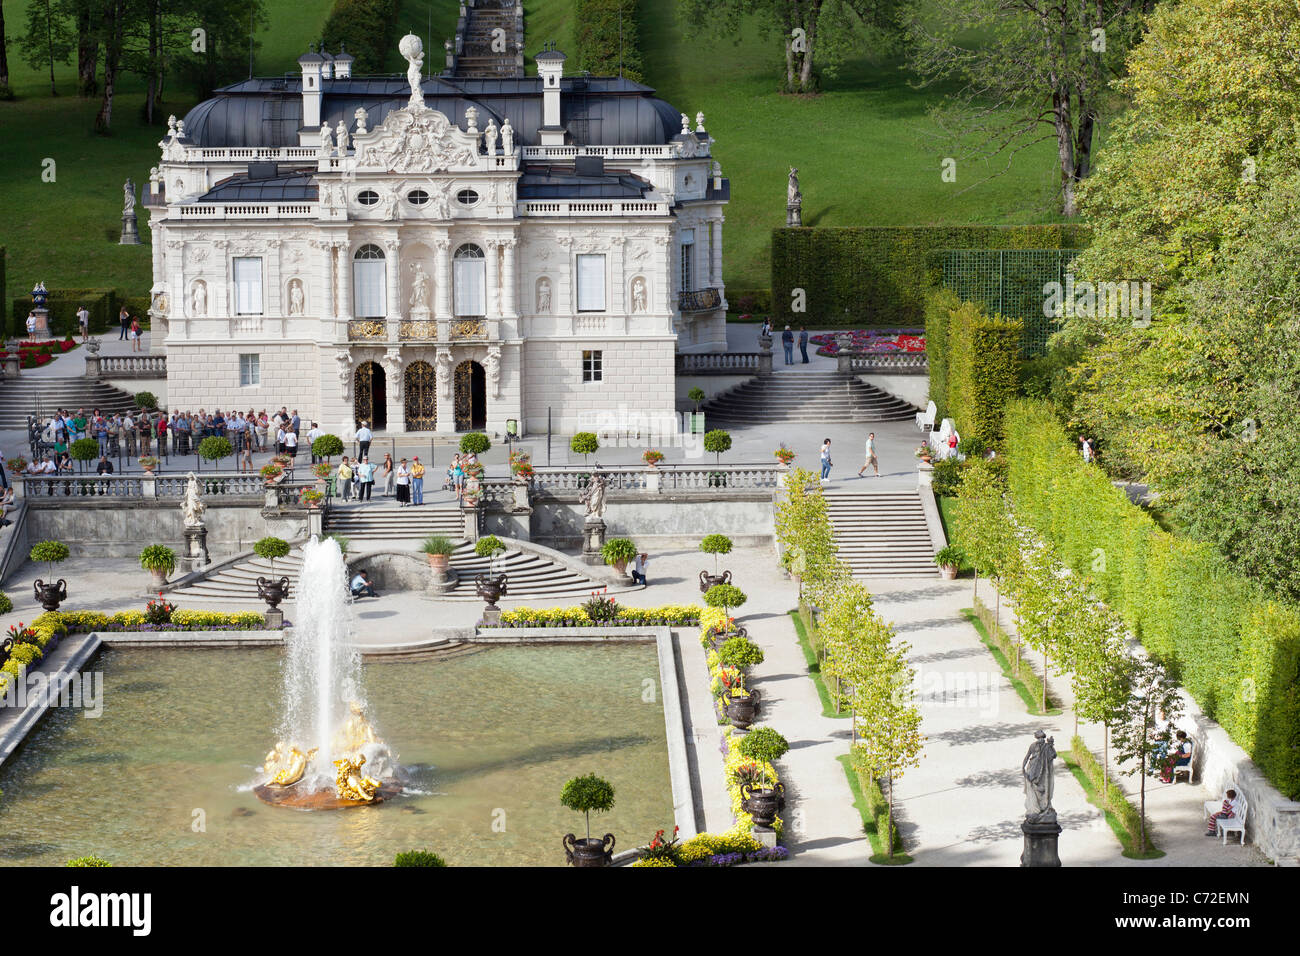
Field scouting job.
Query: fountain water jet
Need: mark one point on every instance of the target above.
(325, 736)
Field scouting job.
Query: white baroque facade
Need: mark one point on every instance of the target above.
(435, 255)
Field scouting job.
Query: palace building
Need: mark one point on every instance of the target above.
(436, 254)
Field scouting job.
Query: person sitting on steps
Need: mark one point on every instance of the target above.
(361, 586)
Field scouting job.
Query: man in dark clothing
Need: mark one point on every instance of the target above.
(105, 466)
(787, 342)
(124, 320)
(803, 343)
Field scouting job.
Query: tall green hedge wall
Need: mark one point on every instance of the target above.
(102, 304)
(368, 28)
(868, 277)
(597, 38)
(1236, 648)
(939, 306)
(983, 370)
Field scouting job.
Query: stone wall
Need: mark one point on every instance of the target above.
(207, 376)
(637, 383)
(662, 520)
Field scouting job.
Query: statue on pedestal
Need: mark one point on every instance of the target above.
(192, 506)
(507, 136)
(793, 200)
(130, 231)
(1037, 771)
(593, 496)
(413, 50)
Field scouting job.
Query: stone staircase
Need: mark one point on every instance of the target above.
(370, 527)
(477, 58)
(531, 577)
(882, 534)
(42, 396)
(806, 396)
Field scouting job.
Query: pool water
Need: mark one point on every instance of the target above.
(164, 776)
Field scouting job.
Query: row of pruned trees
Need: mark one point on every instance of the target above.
(859, 651)
(202, 41)
(1132, 695)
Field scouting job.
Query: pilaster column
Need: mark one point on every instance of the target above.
(617, 303)
(393, 273)
(344, 251)
(510, 309)
(493, 277)
(396, 406)
(566, 286)
(715, 248)
(328, 306)
(442, 282)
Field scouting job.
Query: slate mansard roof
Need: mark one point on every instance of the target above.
(598, 111)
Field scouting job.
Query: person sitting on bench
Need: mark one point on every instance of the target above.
(1231, 808)
(1180, 755)
(361, 586)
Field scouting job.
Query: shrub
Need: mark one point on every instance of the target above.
(585, 794)
(271, 548)
(49, 552)
(983, 370)
(605, 38)
(763, 745)
(618, 550)
(584, 444)
(489, 546)
(215, 448)
(158, 557)
(973, 447)
(725, 596)
(717, 441)
(600, 609)
(740, 652)
(88, 861)
(418, 858)
(696, 395)
(84, 449)
(939, 306)
(6, 603)
(439, 544)
(950, 556)
(475, 443)
(947, 477)
(327, 446)
(146, 400)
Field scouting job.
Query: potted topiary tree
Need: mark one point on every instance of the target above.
(725, 596)
(84, 450)
(214, 448)
(618, 552)
(439, 549)
(763, 745)
(146, 401)
(327, 446)
(740, 652)
(717, 441)
(714, 544)
(583, 795)
(584, 444)
(696, 395)
(160, 561)
(487, 585)
(949, 560)
(475, 443)
(269, 589)
(50, 594)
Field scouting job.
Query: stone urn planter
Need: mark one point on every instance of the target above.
(157, 579)
(272, 591)
(763, 805)
(589, 852)
(708, 580)
(490, 587)
(743, 711)
(51, 595)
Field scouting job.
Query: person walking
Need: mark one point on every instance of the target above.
(312, 435)
(402, 483)
(803, 344)
(345, 479)
(826, 460)
(364, 436)
(366, 477)
(871, 456)
(1086, 447)
(134, 334)
(386, 474)
(417, 482)
(291, 445)
(787, 342)
(124, 323)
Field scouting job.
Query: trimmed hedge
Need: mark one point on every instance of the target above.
(597, 35)
(102, 304)
(367, 27)
(983, 370)
(1234, 647)
(939, 306)
(862, 277)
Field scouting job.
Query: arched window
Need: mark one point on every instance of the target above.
(369, 283)
(470, 276)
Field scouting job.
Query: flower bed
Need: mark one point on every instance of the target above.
(35, 354)
(687, 615)
(733, 847)
(872, 341)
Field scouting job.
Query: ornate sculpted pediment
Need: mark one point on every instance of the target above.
(416, 141)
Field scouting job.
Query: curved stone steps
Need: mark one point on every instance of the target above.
(806, 396)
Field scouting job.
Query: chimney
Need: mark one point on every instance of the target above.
(343, 64)
(312, 64)
(327, 67)
(550, 68)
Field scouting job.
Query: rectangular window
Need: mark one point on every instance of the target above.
(248, 286)
(591, 365)
(688, 260)
(471, 286)
(591, 283)
(250, 370)
(369, 289)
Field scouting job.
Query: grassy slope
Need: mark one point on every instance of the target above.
(65, 232)
(864, 149)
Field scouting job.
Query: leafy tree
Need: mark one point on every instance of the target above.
(764, 746)
(584, 794)
(5, 92)
(584, 444)
(717, 441)
(817, 34)
(215, 447)
(1038, 72)
(1101, 677)
(715, 544)
(271, 548)
(327, 446)
(1153, 698)
(48, 39)
(475, 443)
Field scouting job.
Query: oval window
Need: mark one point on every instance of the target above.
(417, 197)
(467, 197)
(367, 197)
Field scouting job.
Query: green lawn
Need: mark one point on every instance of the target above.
(865, 148)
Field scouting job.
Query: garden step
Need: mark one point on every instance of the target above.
(882, 534)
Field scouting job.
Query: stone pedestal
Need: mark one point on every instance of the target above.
(520, 492)
(315, 522)
(765, 359)
(42, 330)
(765, 836)
(1040, 844)
(652, 480)
(130, 233)
(196, 549)
(844, 362)
(13, 367)
(92, 367)
(794, 215)
(593, 540)
(441, 582)
(491, 617)
(274, 619)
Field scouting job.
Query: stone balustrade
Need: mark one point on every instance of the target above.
(43, 491)
(891, 363)
(722, 363)
(126, 366)
(665, 479)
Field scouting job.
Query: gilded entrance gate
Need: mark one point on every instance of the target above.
(363, 408)
(470, 395)
(420, 386)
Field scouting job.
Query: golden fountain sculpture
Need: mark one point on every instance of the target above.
(286, 769)
(351, 783)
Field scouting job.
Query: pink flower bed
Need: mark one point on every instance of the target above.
(872, 341)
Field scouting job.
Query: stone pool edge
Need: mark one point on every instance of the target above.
(73, 653)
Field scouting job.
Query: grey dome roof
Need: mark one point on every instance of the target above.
(598, 111)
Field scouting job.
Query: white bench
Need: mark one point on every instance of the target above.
(925, 419)
(1226, 825)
